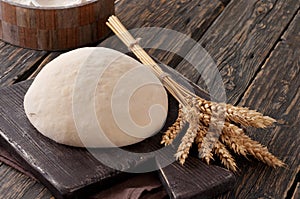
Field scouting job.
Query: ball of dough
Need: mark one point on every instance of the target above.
(96, 97)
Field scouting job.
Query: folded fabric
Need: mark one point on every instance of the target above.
(141, 186)
(13, 162)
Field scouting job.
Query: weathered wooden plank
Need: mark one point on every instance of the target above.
(17, 185)
(290, 41)
(276, 92)
(225, 2)
(177, 15)
(45, 61)
(188, 17)
(64, 170)
(195, 179)
(205, 22)
(8, 159)
(15, 61)
(241, 39)
(191, 18)
(296, 194)
(70, 172)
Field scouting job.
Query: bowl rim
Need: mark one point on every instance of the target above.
(49, 8)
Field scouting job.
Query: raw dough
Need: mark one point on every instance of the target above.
(96, 97)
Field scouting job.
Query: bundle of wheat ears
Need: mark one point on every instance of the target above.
(212, 126)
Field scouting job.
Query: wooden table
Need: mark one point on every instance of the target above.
(256, 45)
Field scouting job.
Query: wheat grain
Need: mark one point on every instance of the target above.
(205, 118)
(188, 138)
(246, 117)
(200, 134)
(249, 146)
(185, 145)
(175, 129)
(224, 155)
(232, 140)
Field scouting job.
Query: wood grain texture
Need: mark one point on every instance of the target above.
(296, 194)
(15, 62)
(41, 65)
(204, 16)
(201, 16)
(73, 172)
(17, 185)
(196, 13)
(47, 28)
(195, 180)
(275, 92)
(53, 164)
(256, 25)
(190, 18)
(241, 39)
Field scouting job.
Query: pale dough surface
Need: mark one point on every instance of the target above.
(96, 97)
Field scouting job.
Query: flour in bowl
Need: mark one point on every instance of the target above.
(49, 3)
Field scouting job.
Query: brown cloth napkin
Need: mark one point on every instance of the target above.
(8, 159)
(142, 186)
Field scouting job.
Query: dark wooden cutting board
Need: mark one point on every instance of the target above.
(71, 172)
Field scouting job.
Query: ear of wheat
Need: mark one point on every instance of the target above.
(211, 125)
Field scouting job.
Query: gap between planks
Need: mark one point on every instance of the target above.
(230, 44)
(294, 191)
(269, 54)
(288, 147)
(32, 71)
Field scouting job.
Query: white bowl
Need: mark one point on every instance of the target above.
(54, 24)
(55, 3)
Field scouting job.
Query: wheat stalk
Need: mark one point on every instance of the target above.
(175, 129)
(209, 122)
(243, 144)
(225, 156)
